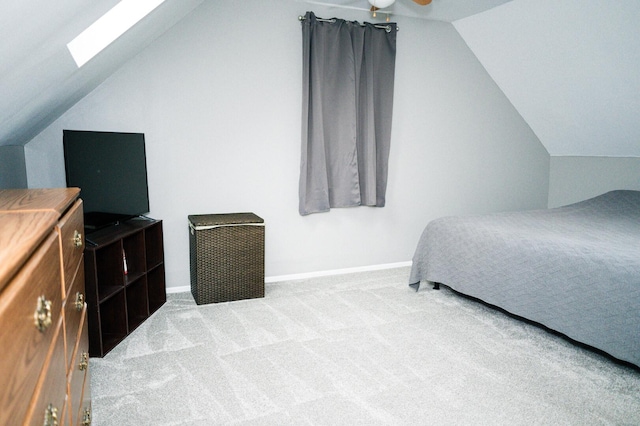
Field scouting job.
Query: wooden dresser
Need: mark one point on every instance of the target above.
(44, 362)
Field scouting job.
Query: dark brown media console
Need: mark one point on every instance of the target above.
(125, 280)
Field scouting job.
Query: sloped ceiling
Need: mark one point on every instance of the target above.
(570, 67)
(39, 79)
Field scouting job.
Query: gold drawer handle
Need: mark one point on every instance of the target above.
(79, 303)
(84, 361)
(86, 417)
(51, 416)
(77, 239)
(42, 315)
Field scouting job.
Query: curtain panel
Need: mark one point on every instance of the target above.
(348, 78)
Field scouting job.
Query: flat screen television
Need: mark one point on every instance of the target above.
(110, 169)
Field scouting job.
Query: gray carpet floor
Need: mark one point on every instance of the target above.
(355, 349)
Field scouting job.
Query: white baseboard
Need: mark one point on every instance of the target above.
(316, 274)
(181, 289)
(307, 275)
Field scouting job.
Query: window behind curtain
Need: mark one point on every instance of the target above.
(348, 76)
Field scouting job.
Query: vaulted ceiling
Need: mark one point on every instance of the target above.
(569, 67)
(39, 79)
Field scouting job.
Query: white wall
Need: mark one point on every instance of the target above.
(573, 179)
(219, 98)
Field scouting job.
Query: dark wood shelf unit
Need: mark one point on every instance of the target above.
(156, 288)
(125, 280)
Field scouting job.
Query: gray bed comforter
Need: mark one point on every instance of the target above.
(573, 269)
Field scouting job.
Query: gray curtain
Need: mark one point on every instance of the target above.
(348, 76)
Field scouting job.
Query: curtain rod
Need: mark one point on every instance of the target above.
(387, 28)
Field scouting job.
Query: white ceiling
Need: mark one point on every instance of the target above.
(438, 10)
(569, 67)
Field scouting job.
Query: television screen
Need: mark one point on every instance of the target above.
(111, 171)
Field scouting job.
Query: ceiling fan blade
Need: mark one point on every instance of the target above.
(422, 2)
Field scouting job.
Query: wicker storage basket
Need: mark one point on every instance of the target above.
(227, 257)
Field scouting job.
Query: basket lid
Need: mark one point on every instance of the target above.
(200, 220)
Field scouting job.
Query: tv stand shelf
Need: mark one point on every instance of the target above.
(125, 280)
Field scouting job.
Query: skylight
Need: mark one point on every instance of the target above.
(109, 27)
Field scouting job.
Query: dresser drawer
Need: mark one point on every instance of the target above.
(35, 289)
(20, 235)
(84, 416)
(74, 311)
(49, 405)
(71, 230)
(79, 374)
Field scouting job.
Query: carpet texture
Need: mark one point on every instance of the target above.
(355, 349)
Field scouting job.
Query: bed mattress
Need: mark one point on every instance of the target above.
(573, 269)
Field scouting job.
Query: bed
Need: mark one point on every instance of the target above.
(573, 269)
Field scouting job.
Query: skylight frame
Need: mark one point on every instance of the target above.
(108, 28)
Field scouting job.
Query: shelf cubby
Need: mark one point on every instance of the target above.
(156, 286)
(137, 303)
(134, 254)
(113, 321)
(154, 246)
(109, 270)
